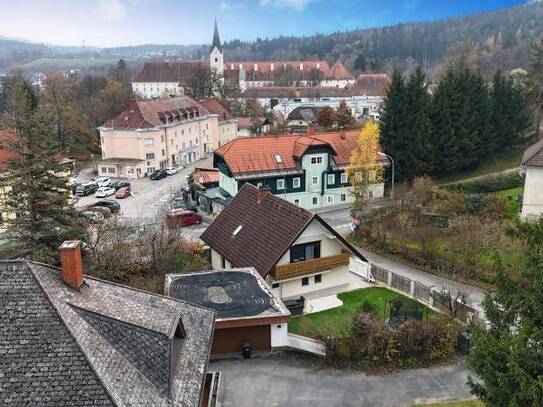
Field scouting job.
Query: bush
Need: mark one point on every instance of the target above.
(488, 184)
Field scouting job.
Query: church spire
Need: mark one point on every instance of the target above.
(216, 39)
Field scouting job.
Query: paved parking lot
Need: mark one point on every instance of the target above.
(150, 198)
(290, 380)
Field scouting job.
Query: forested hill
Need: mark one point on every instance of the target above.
(499, 39)
(502, 39)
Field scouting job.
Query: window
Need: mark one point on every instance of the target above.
(315, 201)
(318, 278)
(297, 202)
(315, 180)
(163, 152)
(238, 229)
(305, 281)
(344, 178)
(280, 184)
(148, 141)
(223, 262)
(183, 146)
(296, 182)
(150, 156)
(316, 160)
(130, 170)
(331, 179)
(104, 169)
(111, 170)
(305, 251)
(330, 199)
(278, 158)
(343, 198)
(275, 285)
(162, 138)
(150, 170)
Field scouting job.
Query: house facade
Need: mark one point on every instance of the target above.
(228, 125)
(308, 171)
(156, 134)
(532, 167)
(296, 251)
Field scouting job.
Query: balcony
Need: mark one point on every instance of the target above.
(303, 268)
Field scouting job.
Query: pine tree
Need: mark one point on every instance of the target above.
(343, 115)
(507, 356)
(535, 83)
(39, 197)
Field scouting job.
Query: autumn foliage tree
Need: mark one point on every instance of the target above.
(325, 117)
(364, 170)
(343, 115)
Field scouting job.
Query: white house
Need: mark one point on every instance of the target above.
(296, 251)
(532, 166)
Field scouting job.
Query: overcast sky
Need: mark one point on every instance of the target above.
(129, 22)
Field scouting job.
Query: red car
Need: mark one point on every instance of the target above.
(122, 193)
(182, 217)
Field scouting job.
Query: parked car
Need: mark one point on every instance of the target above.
(102, 192)
(185, 206)
(182, 217)
(112, 205)
(171, 170)
(100, 212)
(86, 189)
(124, 192)
(103, 181)
(120, 184)
(158, 174)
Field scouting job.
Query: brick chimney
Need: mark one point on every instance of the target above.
(310, 129)
(70, 260)
(342, 133)
(261, 193)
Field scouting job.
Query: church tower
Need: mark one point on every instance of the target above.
(216, 61)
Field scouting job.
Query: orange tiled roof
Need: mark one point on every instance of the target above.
(205, 176)
(215, 107)
(257, 154)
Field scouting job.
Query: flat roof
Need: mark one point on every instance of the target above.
(231, 293)
(123, 161)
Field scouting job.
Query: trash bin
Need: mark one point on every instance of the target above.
(246, 350)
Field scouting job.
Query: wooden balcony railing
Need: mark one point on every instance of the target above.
(302, 268)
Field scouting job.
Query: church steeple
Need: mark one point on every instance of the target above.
(216, 38)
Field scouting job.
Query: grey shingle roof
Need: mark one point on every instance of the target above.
(533, 156)
(122, 340)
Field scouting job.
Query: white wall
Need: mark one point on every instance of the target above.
(532, 205)
(279, 335)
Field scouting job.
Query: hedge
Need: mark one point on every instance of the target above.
(493, 183)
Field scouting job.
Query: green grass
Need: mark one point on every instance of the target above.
(467, 403)
(512, 205)
(500, 163)
(337, 321)
(512, 192)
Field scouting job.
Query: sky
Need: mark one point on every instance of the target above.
(105, 23)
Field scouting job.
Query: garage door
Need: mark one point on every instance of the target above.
(231, 339)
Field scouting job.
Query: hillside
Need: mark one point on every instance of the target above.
(501, 39)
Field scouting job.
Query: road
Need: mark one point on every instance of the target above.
(289, 380)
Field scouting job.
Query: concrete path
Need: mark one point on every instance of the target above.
(478, 177)
(289, 380)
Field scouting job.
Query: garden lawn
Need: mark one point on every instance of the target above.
(337, 321)
(512, 205)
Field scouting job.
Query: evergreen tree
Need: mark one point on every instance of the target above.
(325, 117)
(507, 356)
(38, 196)
(343, 115)
(393, 131)
(535, 83)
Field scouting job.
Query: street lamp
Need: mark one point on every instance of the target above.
(392, 162)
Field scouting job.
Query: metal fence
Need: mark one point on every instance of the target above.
(425, 294)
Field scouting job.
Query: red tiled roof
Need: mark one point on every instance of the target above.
(340, 72)
(6, 154)
(150, 113)
(246, 122)
(257, 154)
(167, 71)
(370, 85)
(204, 176)
(215, 107)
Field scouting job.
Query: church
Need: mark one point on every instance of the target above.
(156, 79)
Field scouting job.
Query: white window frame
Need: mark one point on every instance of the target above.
(331, 179)
(343, 197)
(280, 184)
(330, 199)
(297, 202)
(313, 180)
(315, 201)
(344, 178)
(148, 141)
(316, 160)
(296, 182)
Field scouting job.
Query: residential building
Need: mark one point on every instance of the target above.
(306, 170)
(248, 312)
(532, 167)
(159, 79)
(155, 134)
(295, 251)
(248, 127)
(71, 339)
(228, 126)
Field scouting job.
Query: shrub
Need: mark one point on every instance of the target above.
(488, 184)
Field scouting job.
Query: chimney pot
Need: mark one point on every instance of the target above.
(72, 266)
(261, 193)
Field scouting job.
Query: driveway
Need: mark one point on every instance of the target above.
(290, 380)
